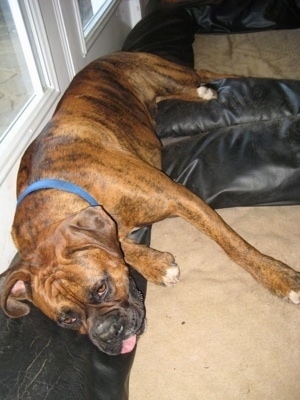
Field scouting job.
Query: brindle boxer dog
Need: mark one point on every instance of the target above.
(74, 256)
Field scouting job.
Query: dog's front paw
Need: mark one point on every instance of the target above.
(206, 93)
(172, 275)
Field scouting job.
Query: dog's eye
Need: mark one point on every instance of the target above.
(69, 320)
(101, 289)
(99, 292)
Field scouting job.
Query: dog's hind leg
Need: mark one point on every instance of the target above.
(208, 76)
(201, 93)
(163, 79)
(276, 276)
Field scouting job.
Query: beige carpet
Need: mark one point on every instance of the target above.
(218, 335)
(260, 54)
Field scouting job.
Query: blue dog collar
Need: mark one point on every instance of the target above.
(60, 185)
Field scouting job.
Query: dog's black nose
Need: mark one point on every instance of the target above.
(117, 329)
(109, 330)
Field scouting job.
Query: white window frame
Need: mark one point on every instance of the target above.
(89, 34)
(13, 143)
(72, 34)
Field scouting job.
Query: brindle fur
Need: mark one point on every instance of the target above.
(102, 138)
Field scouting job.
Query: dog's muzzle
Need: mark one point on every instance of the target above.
(117, 330)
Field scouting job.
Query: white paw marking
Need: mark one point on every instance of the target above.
(294, 297)
(206, 93)
(172, 275)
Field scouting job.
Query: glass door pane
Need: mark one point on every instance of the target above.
(19, 79)
(91, 11)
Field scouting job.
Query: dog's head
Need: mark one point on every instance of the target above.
(77, 276)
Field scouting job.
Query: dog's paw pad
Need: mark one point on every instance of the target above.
(294, 297)
(172, 275)
(206, 93)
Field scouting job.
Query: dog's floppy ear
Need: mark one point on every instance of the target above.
(92, 227)
(14, 288)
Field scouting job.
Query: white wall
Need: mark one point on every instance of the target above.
(110, 39)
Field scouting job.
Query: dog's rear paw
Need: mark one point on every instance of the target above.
(292, 279)
(282, 280)
(294, 297)
(294, 293)
(172, 275)
(206, 93)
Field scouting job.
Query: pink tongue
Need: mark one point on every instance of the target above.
(128, 344)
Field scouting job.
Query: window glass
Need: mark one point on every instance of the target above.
(19, 78)
(90, 12)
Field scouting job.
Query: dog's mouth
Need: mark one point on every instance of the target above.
(117, 345)
(129, 344)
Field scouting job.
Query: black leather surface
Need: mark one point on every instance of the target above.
(240, 150)
(168, 33)
(260, 166)
(40, 360)
(244, 15)
(240, 102)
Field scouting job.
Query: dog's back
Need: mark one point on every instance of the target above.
(103, 121)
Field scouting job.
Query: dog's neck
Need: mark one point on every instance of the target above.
(60, 185)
